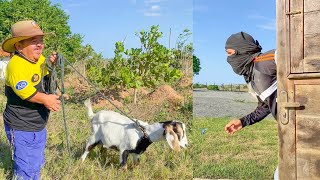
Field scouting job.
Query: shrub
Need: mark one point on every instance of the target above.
(213, 87)
(197, 85)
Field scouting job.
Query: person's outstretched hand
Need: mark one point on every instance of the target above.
(233, 126)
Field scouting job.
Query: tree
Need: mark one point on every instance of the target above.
(183, 52)
(51, 18)
(196, 65)
(146, 66)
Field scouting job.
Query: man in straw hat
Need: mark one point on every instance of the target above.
(28, 103)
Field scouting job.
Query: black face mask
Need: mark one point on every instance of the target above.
(246, 50)
(242, 64)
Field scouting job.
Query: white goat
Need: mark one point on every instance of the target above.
(114, 130)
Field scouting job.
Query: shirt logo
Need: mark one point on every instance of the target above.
(21, 85)
(35, 78)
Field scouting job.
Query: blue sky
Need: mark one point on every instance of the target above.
(104, 22)
(215, 20)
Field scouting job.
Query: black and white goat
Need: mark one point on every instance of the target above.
(114, 130)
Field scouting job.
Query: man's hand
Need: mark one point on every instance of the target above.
(52, 102)
(53, 57)
(233, 126)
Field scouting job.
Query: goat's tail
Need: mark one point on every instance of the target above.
(87, 103)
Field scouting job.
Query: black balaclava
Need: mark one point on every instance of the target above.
(246, 49)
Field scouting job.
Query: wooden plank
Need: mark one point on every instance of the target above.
(308, 133)
(311, 25)
(308, 147)
(312, 64)
(308, 165)
(308, 95)
(308, 126)
(296, 36)
(287, 163)
(304, 76)
(286, 37)
(311, 46)
(311, 5)
(311, 42)
(307, 82)
(312, 53)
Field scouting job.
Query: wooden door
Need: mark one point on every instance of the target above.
(298, 67)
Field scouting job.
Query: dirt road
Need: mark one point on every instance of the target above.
(222, 103)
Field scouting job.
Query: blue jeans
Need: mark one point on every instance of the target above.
(28, 152)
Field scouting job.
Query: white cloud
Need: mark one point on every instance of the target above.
(265, 22)
(268, 26)
(152, 9)
(155, 8)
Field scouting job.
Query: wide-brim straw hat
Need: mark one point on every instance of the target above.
(20, 31)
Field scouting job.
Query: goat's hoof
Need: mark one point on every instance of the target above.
(124, 168)
(137, 163)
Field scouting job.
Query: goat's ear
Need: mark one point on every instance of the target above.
(172, 138)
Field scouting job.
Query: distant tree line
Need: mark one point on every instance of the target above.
(222, 87)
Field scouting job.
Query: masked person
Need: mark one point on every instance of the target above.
(28, 104)
(260, 72)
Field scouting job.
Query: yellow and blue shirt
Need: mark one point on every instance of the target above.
(23, 80)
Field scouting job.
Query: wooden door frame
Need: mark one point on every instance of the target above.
(286, 129)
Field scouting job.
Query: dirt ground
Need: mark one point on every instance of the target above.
(222, 103)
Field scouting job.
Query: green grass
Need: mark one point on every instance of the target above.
(158, 162)
(248, 154)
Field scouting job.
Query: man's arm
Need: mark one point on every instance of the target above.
(50, 101)
(261, 111)
(257, 115)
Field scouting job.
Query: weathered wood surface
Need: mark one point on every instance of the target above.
(298, 68)
(311, 37)
(296, 35)
(308, 130)
(312, 41)
(287, 164)
(311, 5)
(308, 82)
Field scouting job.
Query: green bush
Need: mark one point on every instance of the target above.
(197, 85)
(213, 87)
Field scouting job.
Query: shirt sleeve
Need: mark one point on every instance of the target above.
(261, 111)
(20, 84)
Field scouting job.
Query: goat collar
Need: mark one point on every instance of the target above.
(142, 145)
